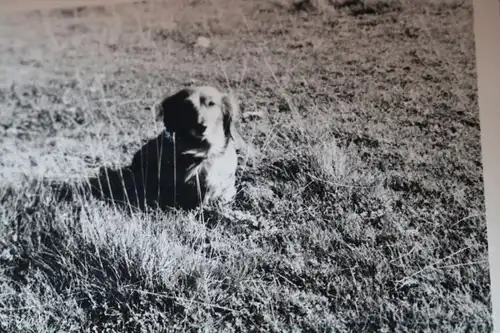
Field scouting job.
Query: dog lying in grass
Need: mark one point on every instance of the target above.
(196, 156)
(192, 162)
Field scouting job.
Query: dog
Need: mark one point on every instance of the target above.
(192, 162)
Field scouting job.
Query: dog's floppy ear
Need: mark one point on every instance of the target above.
(171, 109)
(231, 121)
(158, 111)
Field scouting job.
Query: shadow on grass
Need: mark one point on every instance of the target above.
(110, 287)
(45, 245)
(50, 250)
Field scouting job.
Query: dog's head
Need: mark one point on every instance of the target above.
(201, 115)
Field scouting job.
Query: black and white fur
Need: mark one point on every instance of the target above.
(194, 160)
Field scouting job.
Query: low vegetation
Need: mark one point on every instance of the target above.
(364, 211)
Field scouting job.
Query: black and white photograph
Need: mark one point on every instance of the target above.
(241, 166)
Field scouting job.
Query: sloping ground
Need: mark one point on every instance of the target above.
(364, 213)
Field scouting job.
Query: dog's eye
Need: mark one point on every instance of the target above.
(206, 101)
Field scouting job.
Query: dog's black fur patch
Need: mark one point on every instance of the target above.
(149, 180)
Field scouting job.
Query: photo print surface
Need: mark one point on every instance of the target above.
(242, 166)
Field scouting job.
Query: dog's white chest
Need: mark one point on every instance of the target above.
(220, 176)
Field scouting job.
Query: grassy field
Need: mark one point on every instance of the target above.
(364, 211)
